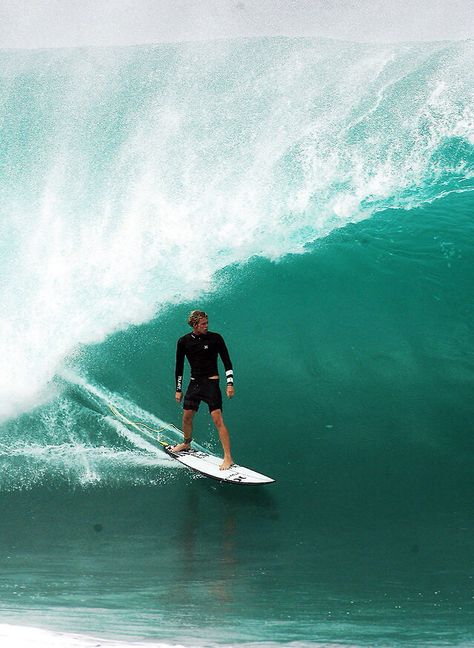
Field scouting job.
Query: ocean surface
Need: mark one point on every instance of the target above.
(316, 198)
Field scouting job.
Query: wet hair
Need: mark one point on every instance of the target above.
(195, 316)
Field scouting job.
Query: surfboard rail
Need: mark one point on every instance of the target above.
(208, 465)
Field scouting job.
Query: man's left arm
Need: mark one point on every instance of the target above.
(229, 370)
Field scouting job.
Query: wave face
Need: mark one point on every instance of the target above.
(316, 199)
(130, 176)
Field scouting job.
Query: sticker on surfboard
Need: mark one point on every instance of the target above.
(208, 465)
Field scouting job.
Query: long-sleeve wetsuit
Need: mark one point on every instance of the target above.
(201, 352)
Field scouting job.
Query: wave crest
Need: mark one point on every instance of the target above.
(131, 176)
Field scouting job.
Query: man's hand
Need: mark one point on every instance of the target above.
(230, 391)
(179, 396)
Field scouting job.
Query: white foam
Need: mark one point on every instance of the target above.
(13, 636)
(67, 454)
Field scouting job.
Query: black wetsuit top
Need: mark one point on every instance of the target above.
(201, 352)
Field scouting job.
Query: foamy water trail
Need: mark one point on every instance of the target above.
(130, 176)
(84, 446)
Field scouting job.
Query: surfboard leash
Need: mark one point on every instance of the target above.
(139, 424)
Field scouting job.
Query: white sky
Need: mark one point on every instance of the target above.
(71, 23)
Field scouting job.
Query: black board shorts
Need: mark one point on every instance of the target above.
(205, 390)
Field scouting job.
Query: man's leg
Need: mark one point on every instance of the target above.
(224, 437)
(188, 416)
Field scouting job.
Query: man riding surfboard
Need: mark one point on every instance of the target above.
(202, 348)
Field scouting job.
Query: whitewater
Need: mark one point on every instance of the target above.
(131, 176)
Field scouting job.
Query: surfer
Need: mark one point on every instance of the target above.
(201, 348)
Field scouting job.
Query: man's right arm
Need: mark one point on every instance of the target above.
(179, 369)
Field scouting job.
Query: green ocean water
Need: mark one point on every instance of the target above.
(334, 251)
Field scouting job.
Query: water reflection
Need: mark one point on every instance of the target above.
(218, 543)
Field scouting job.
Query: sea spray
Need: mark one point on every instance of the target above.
(79, 440)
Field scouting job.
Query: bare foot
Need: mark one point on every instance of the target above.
(180, 447)
(226, 464)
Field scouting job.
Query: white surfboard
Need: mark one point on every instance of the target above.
(208, 465)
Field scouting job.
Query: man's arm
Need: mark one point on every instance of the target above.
(179, 369)
(226, 361)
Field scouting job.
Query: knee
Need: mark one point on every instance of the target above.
(217, 418)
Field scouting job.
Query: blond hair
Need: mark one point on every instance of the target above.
(195, 316)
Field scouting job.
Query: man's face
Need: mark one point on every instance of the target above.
(201, 326)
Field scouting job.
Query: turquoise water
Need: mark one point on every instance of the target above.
(315, 198)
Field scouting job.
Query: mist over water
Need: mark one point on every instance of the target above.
(52, 23)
